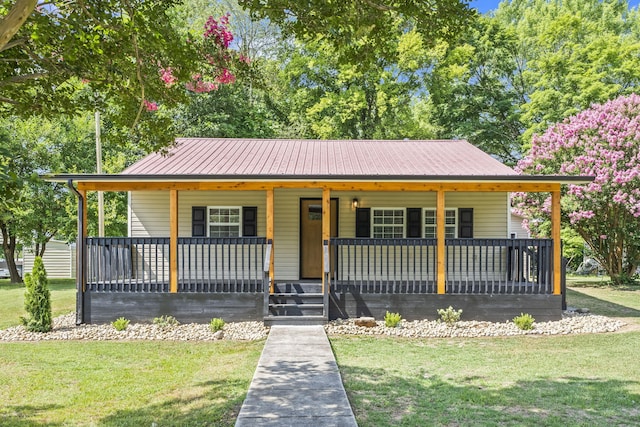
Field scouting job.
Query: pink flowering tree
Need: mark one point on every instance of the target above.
(603, 142)
(130, 59)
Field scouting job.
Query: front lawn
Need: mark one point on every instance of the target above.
(63, 300)
(125, 383)
(574, 380)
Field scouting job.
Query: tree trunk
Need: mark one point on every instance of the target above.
(12, 22)
(9, 251)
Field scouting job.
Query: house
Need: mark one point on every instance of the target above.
(310, 230)
(59, 260)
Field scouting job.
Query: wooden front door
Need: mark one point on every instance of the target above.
(311, 236)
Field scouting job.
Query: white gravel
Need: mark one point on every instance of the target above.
(572, 323)
(64, 328)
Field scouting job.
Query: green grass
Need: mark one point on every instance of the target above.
(125, 383)
(63, 300)
(579, 380)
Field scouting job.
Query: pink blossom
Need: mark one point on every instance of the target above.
(150, 106)
(244, 58)
(166, 75)
(226, 77)
(218, 31)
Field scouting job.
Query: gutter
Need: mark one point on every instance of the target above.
(80, 256)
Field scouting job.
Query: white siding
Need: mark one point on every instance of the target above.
(517, 228)
(149, 212)
(59, 260)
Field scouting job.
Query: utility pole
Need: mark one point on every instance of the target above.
(99, 171)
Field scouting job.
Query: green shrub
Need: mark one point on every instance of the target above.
(37, 299)
(524, 321)
(120, 324)
(166, 321)
(392, 320)
(449, 315)
(216, 324)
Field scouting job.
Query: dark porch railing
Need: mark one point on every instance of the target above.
(473, 266)
(384, 265)
(204, 264)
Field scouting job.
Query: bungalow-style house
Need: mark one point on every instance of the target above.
(308, 231)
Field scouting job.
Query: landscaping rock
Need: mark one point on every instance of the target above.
(366, 322)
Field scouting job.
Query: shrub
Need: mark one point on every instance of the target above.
(449, 315)
(392, 320)
(37, 299)
(166, 321)
(216, 324)
(524, 321)
(120, 324)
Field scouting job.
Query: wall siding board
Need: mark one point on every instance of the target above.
(59, 260)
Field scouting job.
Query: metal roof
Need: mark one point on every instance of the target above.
(289, 159)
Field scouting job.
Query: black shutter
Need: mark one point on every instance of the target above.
(414, 222)
(249, 221)
(363, 222)
(198, 221)
(465, 223)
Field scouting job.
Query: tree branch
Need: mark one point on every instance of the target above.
(13, 44)
(22, 79)
(15, 19)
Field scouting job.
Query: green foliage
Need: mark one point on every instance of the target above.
(449, 315)
(165, 321)
(216, 324)
(524, 321)
(37, 299)
(69, 57)
(120, 324)
(392, 320)
(363, 32)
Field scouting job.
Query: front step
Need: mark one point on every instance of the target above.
(296, 304)
(294, 320)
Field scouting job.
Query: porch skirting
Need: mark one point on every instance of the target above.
(187, 307)
(490, 307)
(104, 307)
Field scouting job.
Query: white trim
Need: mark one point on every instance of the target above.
(447, 209)
(239, 223)
(404, 219)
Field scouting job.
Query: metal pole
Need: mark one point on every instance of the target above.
(99, 171)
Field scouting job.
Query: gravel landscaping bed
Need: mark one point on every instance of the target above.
(572, 323)
(64, 328)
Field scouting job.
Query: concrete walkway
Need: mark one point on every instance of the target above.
(297, 383)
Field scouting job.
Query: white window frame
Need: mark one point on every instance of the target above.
(403, 225)
(210, 224)
(435, 223)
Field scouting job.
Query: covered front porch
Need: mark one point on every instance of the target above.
(236, 278)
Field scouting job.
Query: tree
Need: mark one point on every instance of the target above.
(476, 88)
(124, 57)
(362, 31)
(322, 98)
(602, 142)
(37, 299)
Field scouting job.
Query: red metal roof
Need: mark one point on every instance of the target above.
(311, 158)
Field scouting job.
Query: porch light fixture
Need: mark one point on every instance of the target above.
(355, 203)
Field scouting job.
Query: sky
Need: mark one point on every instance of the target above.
(485, 6)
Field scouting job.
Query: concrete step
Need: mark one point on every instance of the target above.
(294, 320)
(296, 310)
(284, 298)
(298, 288)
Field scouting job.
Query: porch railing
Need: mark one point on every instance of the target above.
(204, 264)
(384, 265)
(473, 266)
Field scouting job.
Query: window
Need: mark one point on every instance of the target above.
(388, 223)
(450, 223)
(224, 221)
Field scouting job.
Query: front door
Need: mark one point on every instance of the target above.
(311, 236)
